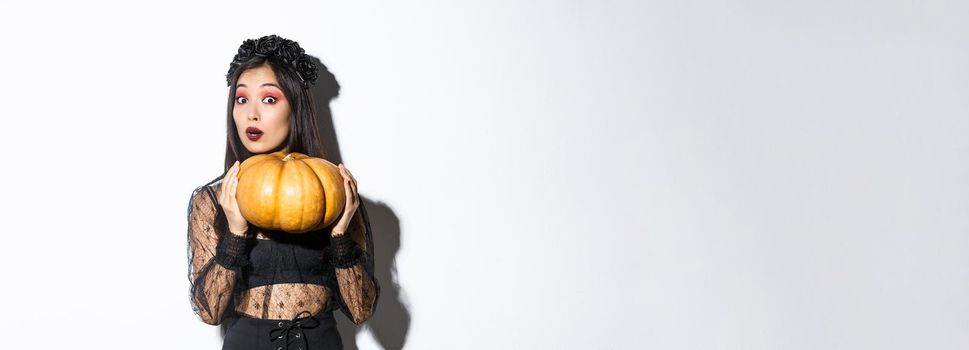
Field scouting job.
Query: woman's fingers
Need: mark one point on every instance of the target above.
(349, 176)
(347, 171)
(351, 203)
(350, 187)
(234, 181)
(232, 188)
(345, 174)
(235, 169)
(353, 183)
(353, 179)
(228, 185)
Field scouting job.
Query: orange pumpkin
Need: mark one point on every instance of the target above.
(291, 192)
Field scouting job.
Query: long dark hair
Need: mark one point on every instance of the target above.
(303, 135)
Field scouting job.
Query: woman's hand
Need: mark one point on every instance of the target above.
(353, 201)
(227, 199)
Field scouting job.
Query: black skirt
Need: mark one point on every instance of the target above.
(303, 332)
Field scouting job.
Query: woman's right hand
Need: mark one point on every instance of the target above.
(227, 199)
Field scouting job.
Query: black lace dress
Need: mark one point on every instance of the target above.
(281, 287)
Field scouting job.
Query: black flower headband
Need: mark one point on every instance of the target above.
(279, 49)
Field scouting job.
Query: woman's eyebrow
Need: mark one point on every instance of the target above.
(264, 84)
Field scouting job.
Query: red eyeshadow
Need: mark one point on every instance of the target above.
(277, 96)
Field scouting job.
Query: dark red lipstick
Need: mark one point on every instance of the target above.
(253, 133)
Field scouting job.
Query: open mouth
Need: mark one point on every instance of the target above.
(253, 133)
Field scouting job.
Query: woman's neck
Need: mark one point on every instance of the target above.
(284, 148)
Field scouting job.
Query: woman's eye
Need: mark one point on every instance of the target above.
(269, 99)
(241, 99)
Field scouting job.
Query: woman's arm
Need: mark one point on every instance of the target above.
(215, 256)
(352, 259)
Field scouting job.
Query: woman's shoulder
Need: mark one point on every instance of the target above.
(204, 198)
(215, 182)
(212, 185)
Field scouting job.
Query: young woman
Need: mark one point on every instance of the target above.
(282, 287)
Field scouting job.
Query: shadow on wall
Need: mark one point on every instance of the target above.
(391, 319)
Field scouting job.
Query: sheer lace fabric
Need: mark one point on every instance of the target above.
(357, 285)
(217, 292)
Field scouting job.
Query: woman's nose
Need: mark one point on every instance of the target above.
(253, 116)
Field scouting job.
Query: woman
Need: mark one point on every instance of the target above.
(282, 287)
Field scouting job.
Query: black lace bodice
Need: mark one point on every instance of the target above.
(275, 257)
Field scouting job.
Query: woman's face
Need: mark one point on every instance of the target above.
(260, 110)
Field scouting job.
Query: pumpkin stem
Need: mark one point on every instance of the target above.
(288, 157)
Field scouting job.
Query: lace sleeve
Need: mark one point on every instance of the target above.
(358, 289)
(214, 257)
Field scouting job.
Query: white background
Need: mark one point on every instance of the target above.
(545, 175)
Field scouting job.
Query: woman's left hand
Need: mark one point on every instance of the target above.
(352, 202)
